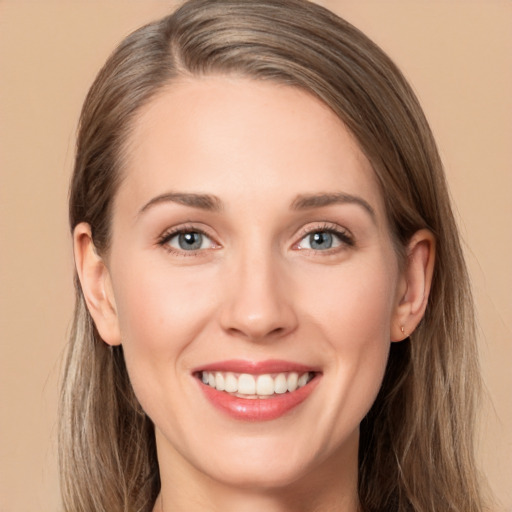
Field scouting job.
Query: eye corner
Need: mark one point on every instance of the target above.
(330, 238)
(187, 241)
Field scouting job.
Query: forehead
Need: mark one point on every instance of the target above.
(235, 136)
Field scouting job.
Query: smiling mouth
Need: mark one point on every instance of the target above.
(249, 386)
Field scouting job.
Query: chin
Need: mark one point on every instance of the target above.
(276, 463)
(262, 475)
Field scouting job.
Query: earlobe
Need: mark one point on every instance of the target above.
(96, 285)
(415, 288)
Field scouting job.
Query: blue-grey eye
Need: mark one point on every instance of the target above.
(320, 241)
(189, 241)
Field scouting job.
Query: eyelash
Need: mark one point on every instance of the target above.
(167, 236)
(344, 236)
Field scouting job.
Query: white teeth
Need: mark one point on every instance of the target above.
(254, 386)
(303, 380)
(265, 385)
(219, 381)
(280, 384)
(291, 381)
(246, 384)
(230, 383)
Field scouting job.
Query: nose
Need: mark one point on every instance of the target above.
(259, 299)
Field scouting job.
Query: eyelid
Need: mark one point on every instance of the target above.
(168, 234)
(343, 234)
(345, 237)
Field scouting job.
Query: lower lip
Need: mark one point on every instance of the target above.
(258, 409)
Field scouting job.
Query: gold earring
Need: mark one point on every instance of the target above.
(402, 329)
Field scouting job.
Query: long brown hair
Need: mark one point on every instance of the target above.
(416, 451)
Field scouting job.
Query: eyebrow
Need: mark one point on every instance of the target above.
(202, 201)
(301, 202)
(306, 202)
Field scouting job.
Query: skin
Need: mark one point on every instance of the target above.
(256, 290)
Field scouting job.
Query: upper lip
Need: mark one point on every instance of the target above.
(256, 367)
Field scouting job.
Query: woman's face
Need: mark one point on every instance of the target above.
(250, 244)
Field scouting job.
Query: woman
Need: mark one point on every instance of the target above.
(273, 311)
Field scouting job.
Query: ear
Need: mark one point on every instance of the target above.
(96, 285)
(414, 287)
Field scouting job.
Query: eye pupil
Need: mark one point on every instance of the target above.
(320, 240)
(190, 241)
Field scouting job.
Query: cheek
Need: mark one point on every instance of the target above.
(159, 307)
(354, 319)
(355, 303)
(160, 315)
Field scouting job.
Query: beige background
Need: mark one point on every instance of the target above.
(458, 56)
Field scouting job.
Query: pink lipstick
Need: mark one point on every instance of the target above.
(256, 391)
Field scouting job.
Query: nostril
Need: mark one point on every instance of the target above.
(258, 314)
(258, 334)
